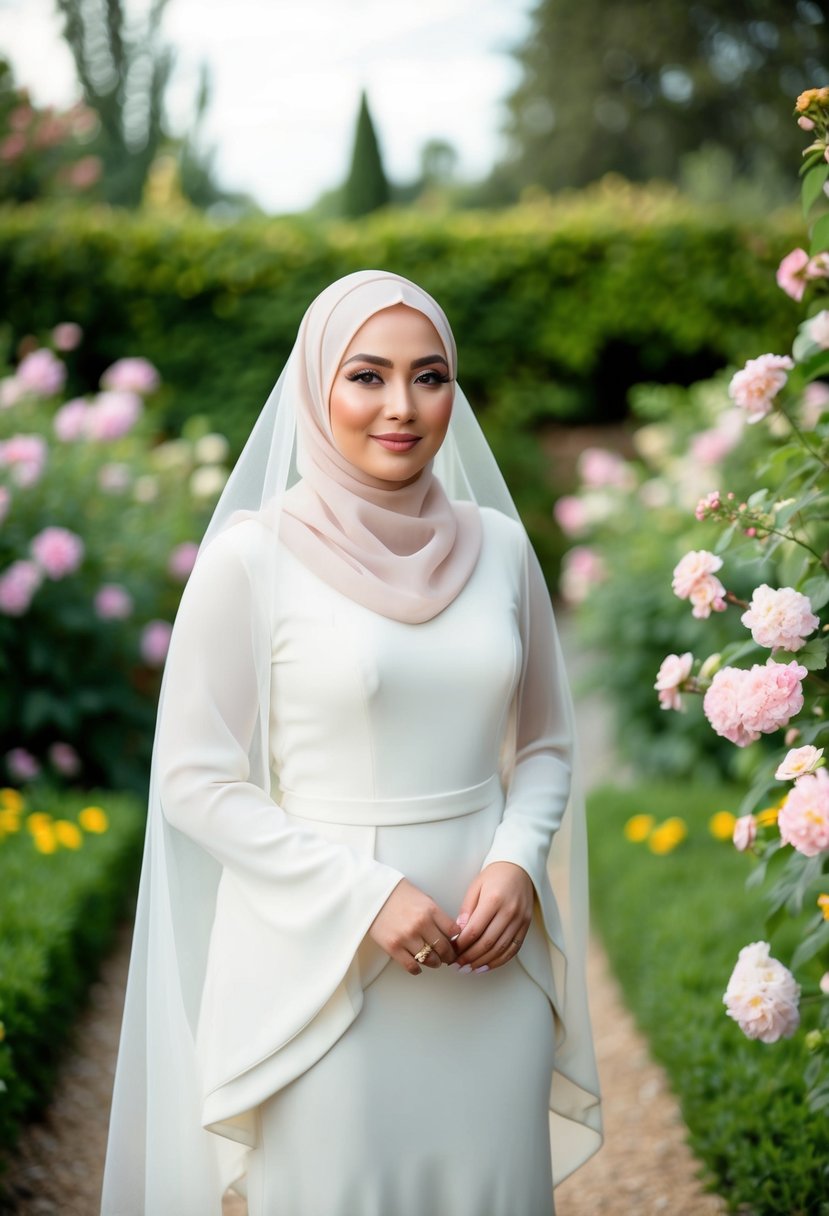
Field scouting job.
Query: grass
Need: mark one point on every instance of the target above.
(673, 925)
(66, 877)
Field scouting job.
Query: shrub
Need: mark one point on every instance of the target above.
(68, 866)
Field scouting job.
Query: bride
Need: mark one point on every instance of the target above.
(357, 979)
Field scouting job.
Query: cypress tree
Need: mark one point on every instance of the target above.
(366, 187)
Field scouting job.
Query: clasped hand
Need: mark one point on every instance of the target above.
(487, 932)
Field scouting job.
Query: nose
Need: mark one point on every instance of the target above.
(400, 403)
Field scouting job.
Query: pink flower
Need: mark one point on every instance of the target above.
(694, 580)
(798, 762)
(42, 373)
(779, 620)
(815, 401)
(806, 124)
(762, 995)
(64, 759)
(599, 468)
(112, 415)
(804, 816)
(711, 446)
(25, 455)
(673, 673)
(571, 515)
(742, 705)
(791, 273)
(818, 328)
(18, 583)
(155, 642)
(57, 551)
(818, 267)
(824, 983)
(112, 602)
(182, 559)
(581, 570)
(69, 423)
(745, 833)
(11, 391)
(5, 502)
(711, 502)
(114, 478)
(131, 376)
(67, 335)
(21, 764)
(755, 387)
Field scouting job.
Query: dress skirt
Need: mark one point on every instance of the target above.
(434, 1102)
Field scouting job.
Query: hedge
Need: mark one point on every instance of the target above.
(558, 307)
(673, 925)
(66, 877)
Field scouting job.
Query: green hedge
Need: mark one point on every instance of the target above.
(58, 913)
(673, 926)
(558, 308)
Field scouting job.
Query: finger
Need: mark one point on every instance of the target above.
(483, 942)
(485, 910)
(467, 909)
(407, 962)
(504, 950)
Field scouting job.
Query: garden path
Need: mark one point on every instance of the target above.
(644, 1169)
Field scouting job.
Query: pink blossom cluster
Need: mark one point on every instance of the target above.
(779, 619)
(41, 373)
(804, 816)
(18, 584)
(695, 579)
(64, 759)
(57, 551)
(67, 335)
(21, 764)
(754, 388)
(672, 675)
(742, 705)
(798, 269)
(708, 505)
(182, 559)
(131, 375)
(110, 416)
(762, 995)
(600, 469)
(112, 602)
(25, 457)
(571, 515)
(581, 570)
(155, 642)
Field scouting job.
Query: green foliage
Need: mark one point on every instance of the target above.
(673, 926)
(366, 187)
(634, 88)
(58, 913)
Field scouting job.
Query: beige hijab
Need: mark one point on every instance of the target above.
(406, 552)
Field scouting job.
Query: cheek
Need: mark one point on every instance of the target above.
(348, 410)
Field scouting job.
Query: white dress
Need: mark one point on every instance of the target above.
(361, 1090)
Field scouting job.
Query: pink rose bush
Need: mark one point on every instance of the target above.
(57, 551)
(804, 816)
(671, 678)
(780, 620)
(755, 387)
(762, 996)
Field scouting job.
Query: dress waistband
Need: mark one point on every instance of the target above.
(392, 812)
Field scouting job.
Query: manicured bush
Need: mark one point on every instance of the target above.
(68, 867)
(673, 923)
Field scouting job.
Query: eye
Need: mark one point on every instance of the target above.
(367, 376)
(432, 377)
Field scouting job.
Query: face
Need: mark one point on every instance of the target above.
(391, 399)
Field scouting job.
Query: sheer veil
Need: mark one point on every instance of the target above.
(161, 1160)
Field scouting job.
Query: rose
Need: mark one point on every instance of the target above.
(693, 579)
(182, 559)
(67, 335)
(42, 373)
(762, 995)
(135, 375)
(742, 705)
(600, 468)
(69, 423)
(112, 415)
(754, 388)
(791, 273)
(804, 816)
(57, 551)
(155, 642)
(25, 455)
(570, 514)
(673, 673)
(21, 764)
(581, 570)
(779, 619)
(18, 583)
(745, 833)
(64, 759)
(818, 328)
(11, 391)
(112, 602)
(798, 762)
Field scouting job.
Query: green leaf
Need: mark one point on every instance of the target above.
(814, 158)
(811, 945)
(813, 185)
(803, 346)
(820, 236)
(813, 654)
(817, 591)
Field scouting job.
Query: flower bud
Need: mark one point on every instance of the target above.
(710, 667)
(814, 1040)
(745, 833)
(791, 736)
(805, 124)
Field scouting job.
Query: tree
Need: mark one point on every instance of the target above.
(366, 188)
(633, 86)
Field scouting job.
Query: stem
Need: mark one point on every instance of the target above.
(733, 599)
(767, 528)
(817, 680)
(802, 438)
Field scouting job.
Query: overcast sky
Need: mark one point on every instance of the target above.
(287, 76)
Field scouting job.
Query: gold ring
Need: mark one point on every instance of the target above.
(516, 944)
(424, 952)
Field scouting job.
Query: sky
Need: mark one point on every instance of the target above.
(287, 74)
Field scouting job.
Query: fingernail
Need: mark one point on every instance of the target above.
(455, 938)
(465, 970)
(480, 970)
(454, 966)
(462, 919)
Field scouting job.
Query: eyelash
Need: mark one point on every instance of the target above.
(439, 377)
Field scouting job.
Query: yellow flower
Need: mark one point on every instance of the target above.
(823, 904)
(767, 818)
(93, 819)
(664, 838)
(45, 840)
(38, 820)
(721, 825)
(11, 800)
(9, 821)
(638, 827)
(68, 834)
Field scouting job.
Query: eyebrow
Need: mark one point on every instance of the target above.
(380, 362)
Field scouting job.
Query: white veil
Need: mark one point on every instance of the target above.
(160, 1159)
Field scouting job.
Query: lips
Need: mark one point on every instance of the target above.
(397, 442)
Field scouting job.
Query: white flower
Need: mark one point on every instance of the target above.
(798, 761)
(207, 481)
(762, 995)
(212, 449)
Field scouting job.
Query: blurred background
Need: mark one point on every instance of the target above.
(599, 192)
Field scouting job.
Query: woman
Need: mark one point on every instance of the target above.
(352, 991)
